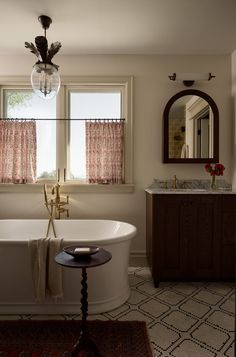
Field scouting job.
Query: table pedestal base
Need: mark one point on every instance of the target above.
(84, 347)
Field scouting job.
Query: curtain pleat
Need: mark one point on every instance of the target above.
(17, 151)
(104, 152)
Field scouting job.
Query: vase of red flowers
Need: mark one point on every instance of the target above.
(216, 170)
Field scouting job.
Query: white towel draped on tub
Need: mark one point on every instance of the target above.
(47, 274)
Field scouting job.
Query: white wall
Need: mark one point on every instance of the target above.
(234, 115)
(152, 90)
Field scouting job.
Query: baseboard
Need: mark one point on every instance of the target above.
(138, 259)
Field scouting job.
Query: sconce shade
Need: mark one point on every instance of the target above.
(45, 80)
(188, 79)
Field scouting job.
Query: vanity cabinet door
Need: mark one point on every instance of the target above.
(170, 242)
(204, 249)
(188, 228)
(184, 236)
(168, 231)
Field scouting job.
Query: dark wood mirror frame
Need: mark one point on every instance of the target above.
(215, 111)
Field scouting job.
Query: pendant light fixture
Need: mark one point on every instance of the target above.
(45, 79)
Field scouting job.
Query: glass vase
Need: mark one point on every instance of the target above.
(213, 182)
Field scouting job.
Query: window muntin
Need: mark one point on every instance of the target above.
(24, 104)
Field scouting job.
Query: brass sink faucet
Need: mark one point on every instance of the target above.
(175, 180)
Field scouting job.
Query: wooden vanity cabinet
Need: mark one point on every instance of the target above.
(190, 236)
(228, 236)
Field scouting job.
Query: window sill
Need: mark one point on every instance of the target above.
(66, 188)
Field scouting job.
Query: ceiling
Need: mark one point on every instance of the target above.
(122, 26)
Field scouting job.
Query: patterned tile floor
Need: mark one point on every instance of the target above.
(183, 319)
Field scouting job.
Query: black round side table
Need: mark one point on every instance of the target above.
(84, 346)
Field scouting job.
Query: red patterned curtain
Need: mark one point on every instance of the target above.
(17, 151)
(104, 152)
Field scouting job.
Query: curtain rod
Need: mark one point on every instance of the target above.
(114, 119)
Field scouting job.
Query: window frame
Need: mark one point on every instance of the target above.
(68, 83)
(98, 88)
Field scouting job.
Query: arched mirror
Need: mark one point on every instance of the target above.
(191, 128)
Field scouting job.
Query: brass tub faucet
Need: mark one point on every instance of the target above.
(56, 204)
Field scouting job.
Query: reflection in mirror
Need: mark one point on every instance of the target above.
(191, 128)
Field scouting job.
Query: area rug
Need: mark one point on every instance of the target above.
(55, 338)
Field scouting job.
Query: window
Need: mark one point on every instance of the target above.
(21, 103)
(61, 143)
(87, 104)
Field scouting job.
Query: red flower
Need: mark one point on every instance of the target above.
(208, 167)
(218, 169)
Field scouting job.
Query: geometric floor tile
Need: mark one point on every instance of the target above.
(219, 288)
(185, 288)
(165, 337)
(228, 305)
(155, 352)
(188, 348)
(179, 320)
(136, 297)
(210, 336)
(118, 311)
(154, 307)
(170, 297)
(184, 319)
(135, 315)
(230, 352)
(133, 280)
(195, 308)
(147, 287)
(97, 317)
(223, 320)
(208, 297)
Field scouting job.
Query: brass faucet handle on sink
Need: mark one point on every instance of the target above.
(175, 180)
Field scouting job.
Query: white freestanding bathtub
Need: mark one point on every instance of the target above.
(108, 285)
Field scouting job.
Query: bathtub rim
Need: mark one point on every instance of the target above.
(105, 240)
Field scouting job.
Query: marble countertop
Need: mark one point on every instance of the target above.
(189, 186)
(156, 190)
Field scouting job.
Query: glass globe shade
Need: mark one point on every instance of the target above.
(45, 80)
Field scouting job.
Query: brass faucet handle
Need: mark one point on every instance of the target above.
(45, 194)
(175, 181)
(63, 210)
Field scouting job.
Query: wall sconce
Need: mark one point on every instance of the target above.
(188, 79)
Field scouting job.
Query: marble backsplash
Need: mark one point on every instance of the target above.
(221, 184)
